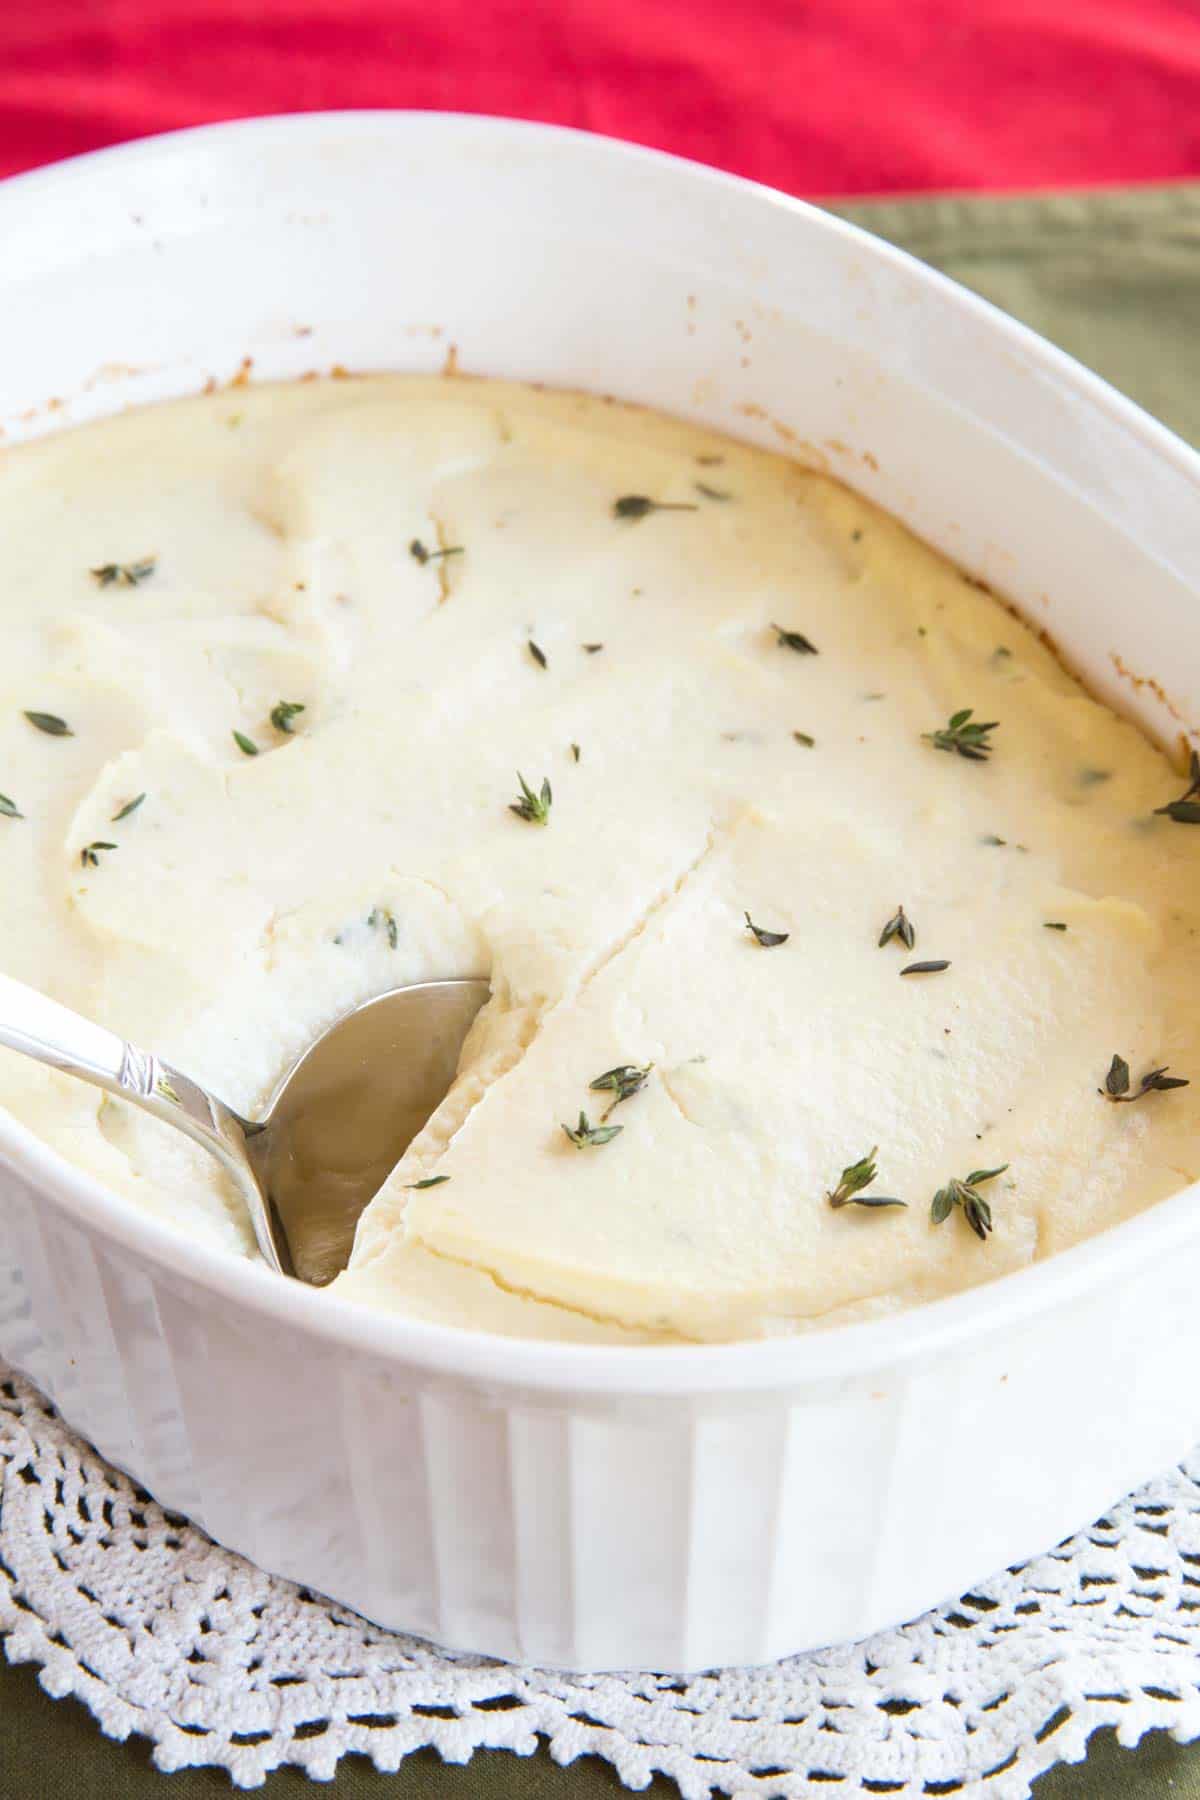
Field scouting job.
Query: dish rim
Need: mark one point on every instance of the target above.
(815, 1356)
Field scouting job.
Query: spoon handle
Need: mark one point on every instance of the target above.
(39, 1027)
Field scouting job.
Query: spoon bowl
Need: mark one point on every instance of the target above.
(338, 1123)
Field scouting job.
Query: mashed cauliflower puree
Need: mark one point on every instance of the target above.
(310, 691)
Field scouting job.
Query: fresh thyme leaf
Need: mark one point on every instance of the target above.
(976, 1210)
(996, 843)
(380, 919)
(124, 574)
(967, 736)
(428, 1181)
(246, 745)
(538, 654)
(1186, 810)
(711, 493)
(802, 737)
(1054, 924)
(129, 807)
(89, 856)
(768, 939)
(9, 808)
(1155, 1081)
(898, 926)
(593, 649)
(585, 1135)
(50, 723)
(855, 1177)
(925, 968)
(283, 712)
(622, 1082)
(575, 752)
(420, 554)
(636, 506)
(793, 640)
(533, 807)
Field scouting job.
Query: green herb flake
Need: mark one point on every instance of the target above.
(900, 927)
(711, 493)
(586, 1136)
(964, 1193)
(538, 654)
(284, 712)
(992, 841)
(380, 919)
(420, 554)
(802, 737)
(427, 1181)
(167, 1090)
(637, 506)
(534, 808)
(129, 808)
(1186, 810)
(623, 1082)
(855, 1177)
(9, 808)
(593, 649)
(576, 753)
(50, 723)
(965, 735)
(925, 968)
(124, 574)
(793, 640)
(1155, 1081)
(1054, 924)
(768, 939)
(90, 855)
(246, 745)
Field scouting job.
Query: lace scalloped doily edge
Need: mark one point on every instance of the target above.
(1063, 1740)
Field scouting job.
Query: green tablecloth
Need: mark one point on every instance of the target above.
(1115, 279)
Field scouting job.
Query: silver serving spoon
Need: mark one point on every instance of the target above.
(337, 1126)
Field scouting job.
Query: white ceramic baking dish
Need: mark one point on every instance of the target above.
(597, 1507)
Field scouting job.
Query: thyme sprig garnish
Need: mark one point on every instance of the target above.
(623, 1082)
(964, 1193)
(926, 968)
(537, 653)
(124, 574)
(535, 808)
(129, 808)
(380, 919)
(855, 1177)
(420, 554)
(1154, 1081)
(89, 856)
(793, 640)
(427, 1181)
(899, 926)
(768, 939)
(1186, 810)
(585, 1135)
(967, 736)
(50, 723)
(636, 506)
(246, 745)
(9, 808)
(283, 713)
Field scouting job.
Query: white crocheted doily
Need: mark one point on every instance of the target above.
(160, 1631)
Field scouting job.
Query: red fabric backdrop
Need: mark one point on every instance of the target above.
(815, 96)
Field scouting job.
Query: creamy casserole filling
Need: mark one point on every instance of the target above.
(803, 874)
